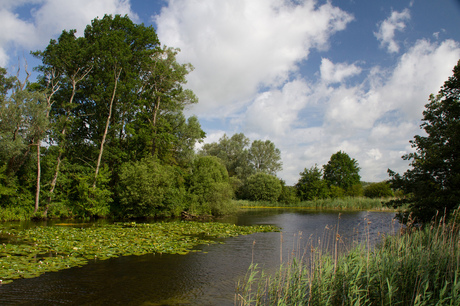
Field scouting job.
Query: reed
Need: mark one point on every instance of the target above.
(348, 203)
(419, 266)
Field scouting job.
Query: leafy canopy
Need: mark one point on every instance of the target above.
(342, 171)
(432, 184)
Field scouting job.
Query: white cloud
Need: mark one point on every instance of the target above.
(49, 18)
(274, 112)
(372, 121)
(239, 46)
(336, 73)
(387, 29)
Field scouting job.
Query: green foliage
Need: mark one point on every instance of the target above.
(110, 96)
(288, 194)
(209, 187)
(89, 201)
(355, 190)
(311, 186)
(433, 180)
(341, 171)
(378, 190)
(241, 160)
(263, 187)
(148, 188)
(265, 157)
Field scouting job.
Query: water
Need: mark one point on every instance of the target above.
(208, 277)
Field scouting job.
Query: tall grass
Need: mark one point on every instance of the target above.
(348, 203)
(417, 267)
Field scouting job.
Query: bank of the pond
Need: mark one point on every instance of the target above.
(32, 252)
(418, 267)
(349, 203)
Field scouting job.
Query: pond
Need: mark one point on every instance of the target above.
(208, 277)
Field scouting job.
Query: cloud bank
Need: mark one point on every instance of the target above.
(248, 55)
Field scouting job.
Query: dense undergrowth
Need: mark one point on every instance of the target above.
(419, 266)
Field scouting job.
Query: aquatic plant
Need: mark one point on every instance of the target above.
(32, 252)
(418, 267)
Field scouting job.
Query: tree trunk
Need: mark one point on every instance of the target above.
(106, 129)
(154, 123)
(74, 80)
(37, 193)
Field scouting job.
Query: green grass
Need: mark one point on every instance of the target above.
(349, 203)
(418, 267)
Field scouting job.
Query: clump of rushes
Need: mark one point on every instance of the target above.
(348, 203)
(419, 266)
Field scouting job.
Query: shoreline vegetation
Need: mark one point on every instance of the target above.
(417, 266)
(347, 203)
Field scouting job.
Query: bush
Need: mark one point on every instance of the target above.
(378, 190)
(355, 191)
(209, 189)
(288, 195)
(336, 192)
(263, 187)
(311, 185)
(149, 189)
(88, 201)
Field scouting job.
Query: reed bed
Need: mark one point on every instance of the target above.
(348, 203)
(417, 266)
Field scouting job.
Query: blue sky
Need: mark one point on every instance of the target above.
(314, 77)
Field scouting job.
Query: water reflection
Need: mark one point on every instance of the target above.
(204, 278)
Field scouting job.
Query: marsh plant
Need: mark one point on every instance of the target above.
(417, 266)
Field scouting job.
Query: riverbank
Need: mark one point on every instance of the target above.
(417, 267)
(348, 203)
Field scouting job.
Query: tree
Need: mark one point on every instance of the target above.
(265, 157)
(233, 152)
(65, 63)
(23, 124)
(263, 187)
(341, 171)
(241, 160)
(311, 185)
(378, 190)
(432, 183)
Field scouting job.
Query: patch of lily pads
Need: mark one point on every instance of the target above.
(32, 252)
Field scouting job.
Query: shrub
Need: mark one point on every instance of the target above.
(288, 195)
(355, 191)
(263, 187)
(209, 187)
(148, 188)
(378, 190)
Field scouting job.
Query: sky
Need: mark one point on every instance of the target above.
(313, 77)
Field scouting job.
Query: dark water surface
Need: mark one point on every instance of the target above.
(208, 277)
